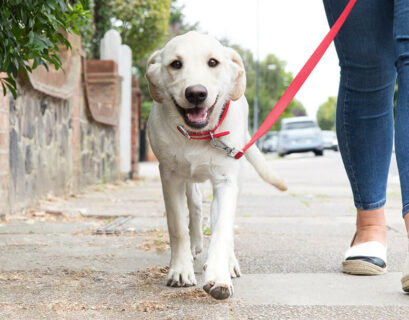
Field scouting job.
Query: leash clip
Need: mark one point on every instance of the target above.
(184, 132)
(220, 145)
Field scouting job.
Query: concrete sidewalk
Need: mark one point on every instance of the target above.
(289, 245)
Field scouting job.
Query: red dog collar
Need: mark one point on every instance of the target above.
(208, 134)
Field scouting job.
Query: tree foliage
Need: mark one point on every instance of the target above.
(31, 32)
(102, 13)
(273, 81)
(176, 25)
(326, 114)
(177, 21)
(142, 24)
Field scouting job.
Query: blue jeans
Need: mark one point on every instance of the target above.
(373, 48)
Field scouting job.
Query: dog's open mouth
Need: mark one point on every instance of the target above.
(196, 117)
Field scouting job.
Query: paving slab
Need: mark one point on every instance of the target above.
(309, 244)
(87, 294)
(43, 228)
(264, 312)
(329, 289)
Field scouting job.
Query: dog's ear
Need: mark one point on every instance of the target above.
(153, 75)
(239, 74)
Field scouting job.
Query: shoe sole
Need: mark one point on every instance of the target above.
(359, 267)
(405, 283)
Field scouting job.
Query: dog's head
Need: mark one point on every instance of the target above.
(194, 76)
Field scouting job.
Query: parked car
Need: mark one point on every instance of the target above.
(270, 142)
(299, 134)
(330, 140)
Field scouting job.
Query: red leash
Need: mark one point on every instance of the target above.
(299, 80)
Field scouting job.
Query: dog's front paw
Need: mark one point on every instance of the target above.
(218, 291)
(181, 274)
(218, 281)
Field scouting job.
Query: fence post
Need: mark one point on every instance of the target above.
(4, 154)
(112, 49)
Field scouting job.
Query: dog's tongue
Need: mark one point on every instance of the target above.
(196, 114)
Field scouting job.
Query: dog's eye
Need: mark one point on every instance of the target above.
(177, 64)
(213, 63)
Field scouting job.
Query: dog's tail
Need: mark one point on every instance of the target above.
(257, 160)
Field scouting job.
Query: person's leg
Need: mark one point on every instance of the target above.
(364, 118)
(401, 35)
(370, 226)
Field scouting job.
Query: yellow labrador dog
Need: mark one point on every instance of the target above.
(193, 81)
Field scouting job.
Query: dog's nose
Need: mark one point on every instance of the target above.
(196, 94)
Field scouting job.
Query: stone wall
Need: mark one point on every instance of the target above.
(56, 147)
(62, 132)
(40, 147)
(99, 147)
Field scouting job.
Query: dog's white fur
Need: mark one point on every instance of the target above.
(183, 163)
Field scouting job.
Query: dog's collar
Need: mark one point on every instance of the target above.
(207, 135)
(211, 135)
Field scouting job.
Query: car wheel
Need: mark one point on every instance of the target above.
(319, 153)
(281, 155)
(336, 149)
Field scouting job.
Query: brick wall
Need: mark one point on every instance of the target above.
(4, 155)
(76, 136)
(136, 113)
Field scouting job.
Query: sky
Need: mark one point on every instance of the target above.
(290, 29)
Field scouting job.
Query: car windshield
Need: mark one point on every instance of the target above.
(300, 125)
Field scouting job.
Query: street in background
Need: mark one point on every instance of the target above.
(299, 134)
(330, 140)
(270, 142)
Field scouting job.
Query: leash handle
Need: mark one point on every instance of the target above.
(299, 80)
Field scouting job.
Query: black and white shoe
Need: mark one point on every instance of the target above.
(368, 258)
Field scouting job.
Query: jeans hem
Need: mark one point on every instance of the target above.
(372, 206)
(405, 210)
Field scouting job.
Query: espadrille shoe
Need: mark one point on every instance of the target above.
(368, 258)
(405, 275)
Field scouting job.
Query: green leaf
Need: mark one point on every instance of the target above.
(28, 32)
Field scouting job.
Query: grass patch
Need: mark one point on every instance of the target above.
(207, 231)
(306, 203)
(393, 194)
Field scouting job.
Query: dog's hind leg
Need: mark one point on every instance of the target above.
(194, 203)
(181, 271)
